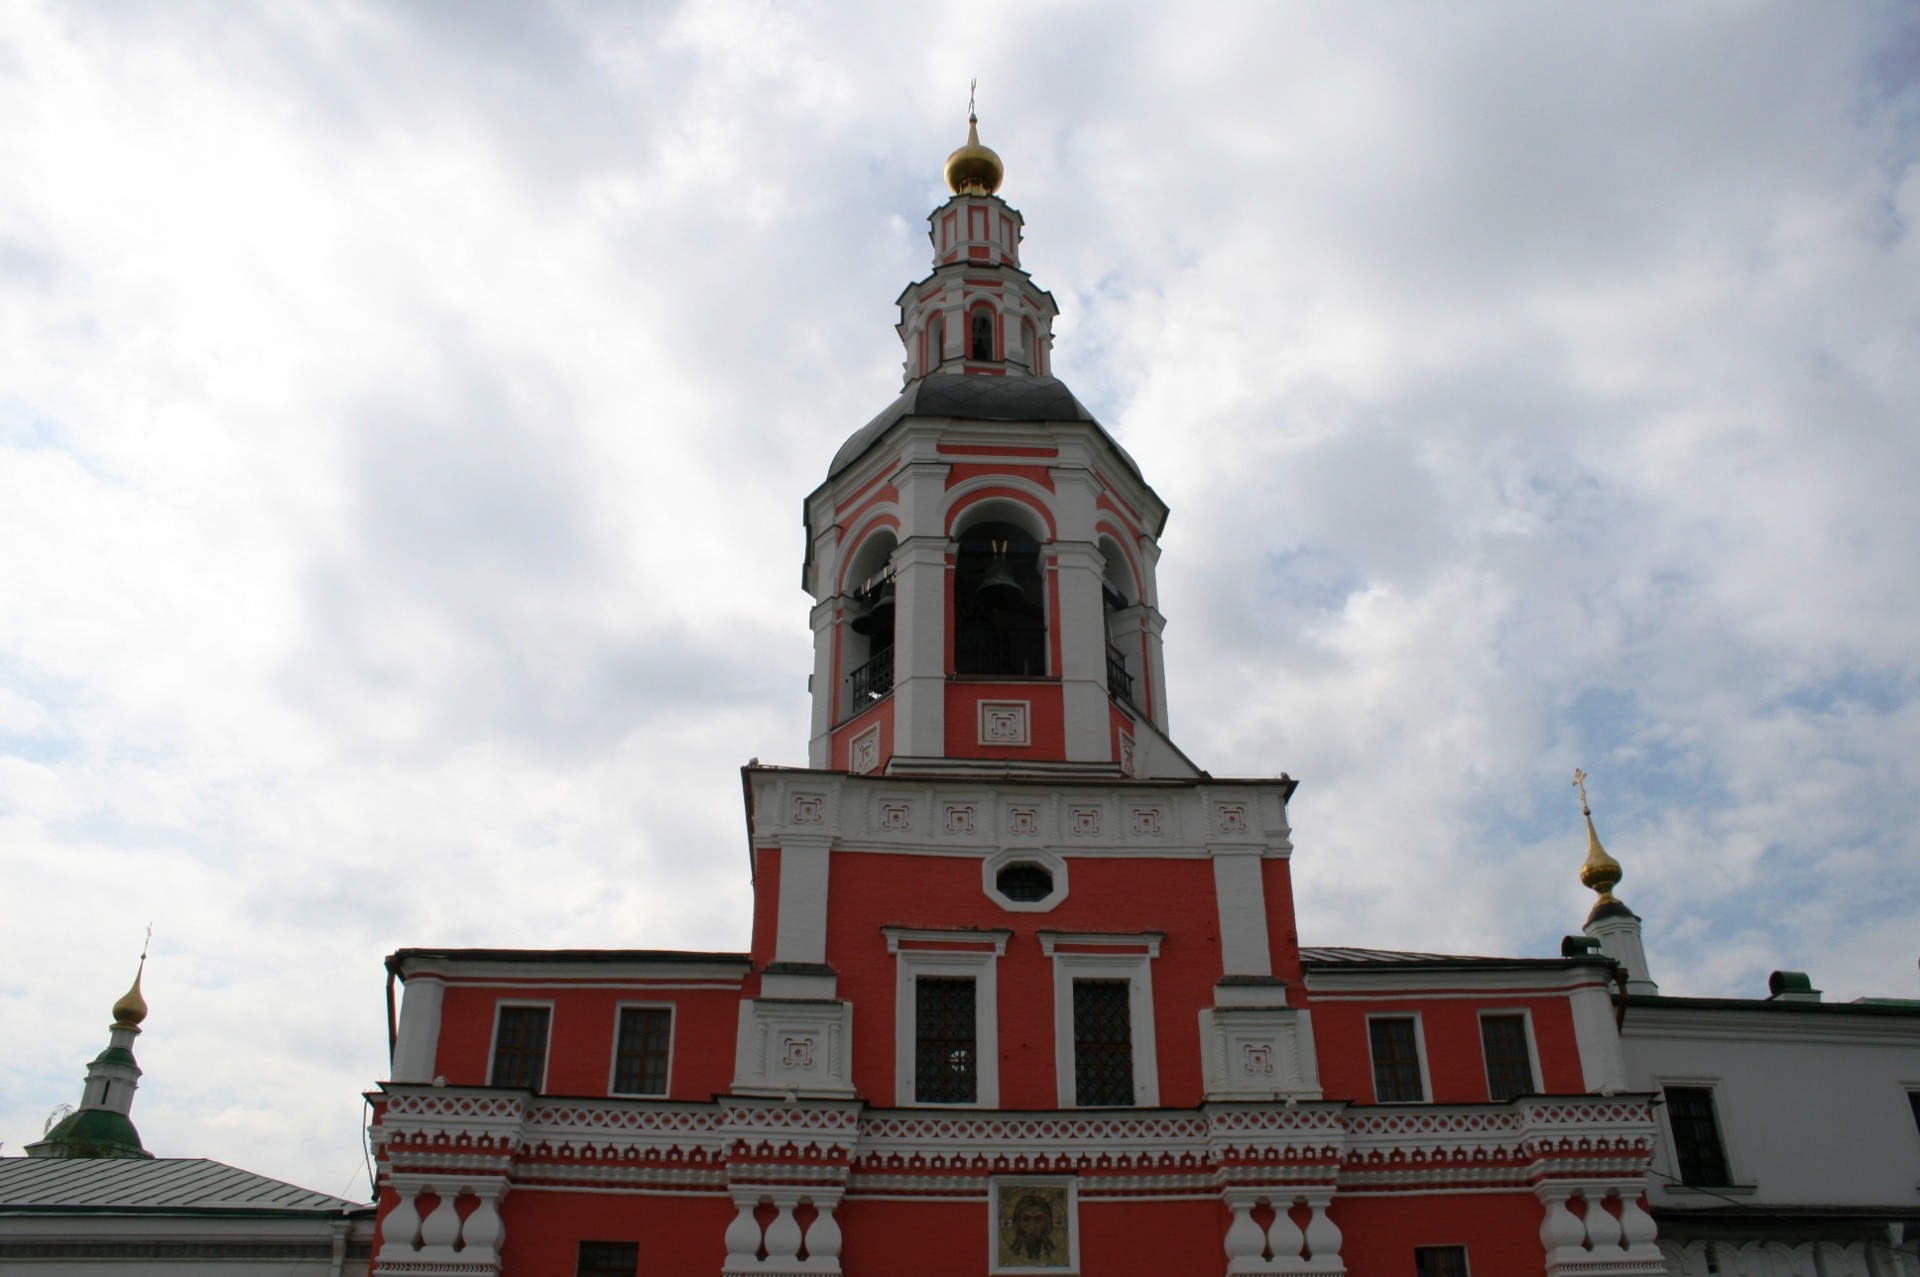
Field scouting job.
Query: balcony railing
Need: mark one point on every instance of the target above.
(1119, 682)
(872, 681)
(1016, 650)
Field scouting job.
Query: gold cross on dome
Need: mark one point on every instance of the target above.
(1580, 783)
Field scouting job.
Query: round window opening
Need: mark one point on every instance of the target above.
(1025, 882)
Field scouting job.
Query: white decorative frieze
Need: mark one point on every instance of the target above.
(1083, 821)
(1005, 722)
(896, 817)
(1023, 821)
(959, 818)
(808, 809)
(1230, 820)
(1146, 822)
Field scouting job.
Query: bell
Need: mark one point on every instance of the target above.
(876, 616)
(999, 587)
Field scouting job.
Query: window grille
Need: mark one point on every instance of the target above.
(1102, 1043)
(1696, 1136)
(520, 1047)
(608, 1259)
(1024, 881)
(1503, 1039)
(1396, 1061)
(1440, 1261)
(641, 1049)
(945, 1060)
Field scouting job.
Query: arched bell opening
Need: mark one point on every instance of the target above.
(867, 638)
(980, 334)
(936, 351)
(1025, 355)
(1119, 593)
(999, 602)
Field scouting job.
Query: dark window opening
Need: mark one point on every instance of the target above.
(640, 1052)
(1696, 1136)
(1913, 1099)
(1440, 1261)
(936, 342)
(944, 1058)
(520, 1047)
(1102, 1043)
(608, 1259)
(983, 334)
(1396, 1062)
(1503, 1039)
(1025, 882)
(1000, 619)
(873, 614)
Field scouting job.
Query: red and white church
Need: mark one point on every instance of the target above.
(1024, 992)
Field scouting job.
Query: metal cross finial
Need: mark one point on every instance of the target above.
(147, 943)
(973, 88)
(1580, 783)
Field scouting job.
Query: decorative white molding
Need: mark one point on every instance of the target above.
(1006, 722)
(1258, 1053)
(793, 1047)
(863, 751)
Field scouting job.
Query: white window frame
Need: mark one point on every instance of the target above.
(1136, 968)
(493, 1039)
(613, 1060)
(978, 961)
(1054, 864)
(1670, 1147)
(1466, 1258)
(1533, 1048)
(1419, 1048)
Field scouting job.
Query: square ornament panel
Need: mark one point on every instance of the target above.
(1006, 722)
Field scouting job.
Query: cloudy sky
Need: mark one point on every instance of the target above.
(405, 411)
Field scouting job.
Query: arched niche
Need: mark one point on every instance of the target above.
(1119, 593)
(999, 592)
(982, 337)
(868, 624)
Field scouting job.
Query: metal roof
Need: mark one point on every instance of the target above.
(1339, 956)
(975, 397)
(168, 1185)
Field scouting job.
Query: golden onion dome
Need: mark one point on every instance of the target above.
(974, 169)
(131, 1008)
(1601, 872)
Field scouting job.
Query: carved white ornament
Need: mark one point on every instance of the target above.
(1085, 821)
(864, 754)
(1023, 821)
(960, 818)
(1230, 818)
(796, 1053)
(808, 809)
(1146, 821)
(1003, 723)
(896, 816)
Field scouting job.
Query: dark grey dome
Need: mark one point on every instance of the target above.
(970, 397)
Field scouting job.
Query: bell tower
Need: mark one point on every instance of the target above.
(982, 553)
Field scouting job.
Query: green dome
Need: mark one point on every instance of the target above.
(92, 1133)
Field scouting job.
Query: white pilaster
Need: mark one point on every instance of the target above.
(418, 1040)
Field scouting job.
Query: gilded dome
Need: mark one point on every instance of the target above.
(974, 169)
(131, 1008)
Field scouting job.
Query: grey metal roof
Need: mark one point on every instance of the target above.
(163, 1185)
(1329, 957)
(974, 397)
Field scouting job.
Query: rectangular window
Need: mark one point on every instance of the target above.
(640, 1051)
(608, 1259)
(1503, 1040)
(945, 1061)
(520, 1047)
(1396, 1061)
(1440, 1261)
(1102, 1043)
(1696, 1136)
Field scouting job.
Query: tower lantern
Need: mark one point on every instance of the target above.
(982, 552)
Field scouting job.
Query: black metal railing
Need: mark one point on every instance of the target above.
(872, 681)
(1017, 650)
(1119, 682)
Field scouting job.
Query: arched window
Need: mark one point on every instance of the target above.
(1028, 346)
(936, 341)
(1118, 594)
(868, 650)
(982, 334)
(999, 610)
